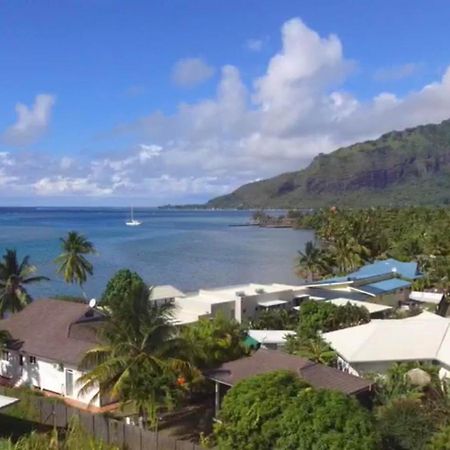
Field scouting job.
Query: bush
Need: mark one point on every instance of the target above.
(440, 440)
(326, 420)
(403, 424)
(252, 408)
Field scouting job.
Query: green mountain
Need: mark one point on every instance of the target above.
(409, 167)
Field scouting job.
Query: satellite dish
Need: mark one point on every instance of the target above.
(394, 269)
(92, 303)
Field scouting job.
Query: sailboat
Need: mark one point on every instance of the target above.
(132, 222)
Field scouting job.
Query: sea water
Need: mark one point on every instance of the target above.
(188, 249)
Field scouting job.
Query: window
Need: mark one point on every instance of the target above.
(32, 359)
(5, 355)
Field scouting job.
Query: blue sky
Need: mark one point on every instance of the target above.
(113, 102)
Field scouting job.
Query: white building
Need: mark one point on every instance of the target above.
(375, 346)
(48, 340)
(242, 302)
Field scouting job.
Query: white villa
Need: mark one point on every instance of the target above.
(375, 346)
(245, 302)
(48, 340)
(241, 302)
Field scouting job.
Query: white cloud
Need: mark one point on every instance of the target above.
(32, 122)
(254, 45)
(294, 110)
(60, 185)
(189, 72)
(396, 73)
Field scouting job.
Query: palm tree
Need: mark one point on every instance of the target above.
(72, 262)
(347, 253)
(14, 276)
(141, 361)
(318, 350)
(311, 263)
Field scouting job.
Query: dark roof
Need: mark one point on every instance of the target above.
(264, 360)
(61, 331)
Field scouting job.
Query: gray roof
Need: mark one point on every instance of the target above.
(264, 360)
(57, 330)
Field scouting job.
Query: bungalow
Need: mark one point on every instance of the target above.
(265, 360)
(387, 282)
(375, 346)
(48, 341)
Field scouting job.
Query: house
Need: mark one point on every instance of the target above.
(375, 346)
(245, 302)
(241, 302)
(265, 360)
(387, 282)
(48, 341)
(164, 293)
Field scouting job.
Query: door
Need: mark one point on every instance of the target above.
(69, 383)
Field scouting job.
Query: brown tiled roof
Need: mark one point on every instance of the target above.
(264, 360)
(58, 330)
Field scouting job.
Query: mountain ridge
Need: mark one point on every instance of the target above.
(408, 167)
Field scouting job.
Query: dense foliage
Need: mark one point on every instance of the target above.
(326, 420)
(251, 410)
(120, 287)
(214, 341)
(410, 409)
(349, 238)
(315, 317)
(278, 411)
(404, 425)
(275, 319)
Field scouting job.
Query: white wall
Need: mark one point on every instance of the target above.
(44, 374)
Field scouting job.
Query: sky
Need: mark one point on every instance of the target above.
(113, 103)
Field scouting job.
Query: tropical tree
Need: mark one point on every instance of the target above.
(14, 279)
(72, 262)
(251, 410)
(275, 319)
(142, 361)
(317, 350)
(119, 287)
(325, 419)
(311, 263)
(214, 341)
(347, 253)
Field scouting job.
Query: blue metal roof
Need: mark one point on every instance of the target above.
(407, 270)
(334, 280)
(385, 286)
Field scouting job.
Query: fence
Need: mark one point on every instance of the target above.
(130, 437)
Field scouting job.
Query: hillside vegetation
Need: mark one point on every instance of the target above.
(409, 167)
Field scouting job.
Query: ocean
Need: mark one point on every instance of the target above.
(188, 249)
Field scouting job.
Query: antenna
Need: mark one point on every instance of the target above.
(92, 303)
